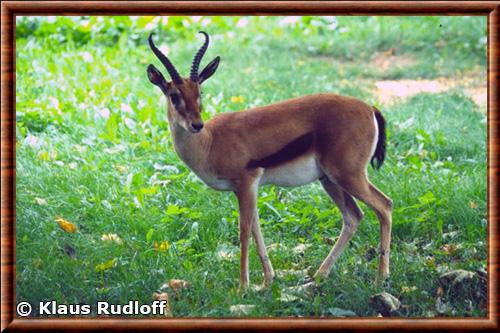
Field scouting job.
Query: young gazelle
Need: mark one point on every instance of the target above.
(289, 143)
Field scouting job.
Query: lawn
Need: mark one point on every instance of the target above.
(94, 150)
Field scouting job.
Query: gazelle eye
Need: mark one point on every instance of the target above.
(175, 98)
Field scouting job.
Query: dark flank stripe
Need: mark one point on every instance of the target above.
(289, 152)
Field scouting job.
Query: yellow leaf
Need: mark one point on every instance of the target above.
(406, 289)
(105, 265)
(111, 238)
(44, 156)
(237, 99)
(121, 168)
(37, 263)
(162, 246)
(66, 225)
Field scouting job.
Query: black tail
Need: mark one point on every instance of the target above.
(379, 154)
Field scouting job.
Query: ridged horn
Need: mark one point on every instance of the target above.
(164, 60)
(197, 58)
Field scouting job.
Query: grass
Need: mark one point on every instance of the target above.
(93, 147)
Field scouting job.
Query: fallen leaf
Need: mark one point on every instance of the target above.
(337, 312)
(66, 225)
(237, 99)
(385, 303)
(177, 285)
(111, 238)
(105, 265)
(405, 289)
(80, 148)
(226, 252)
(169, 169)
(44, 156)
(456, 278)
(161, 246)
(293, 293)
(120, 168)
(300, 249)
(292, 272)
(257, 287)
(37, 263)
(451, 249)
(450, 235)
(276, 246)
(241, 309)
(115, 149)
(41, 202)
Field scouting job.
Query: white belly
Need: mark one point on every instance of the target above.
(301, 171)
(215, 182)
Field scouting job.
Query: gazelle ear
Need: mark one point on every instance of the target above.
(209, 70)
(157, 78)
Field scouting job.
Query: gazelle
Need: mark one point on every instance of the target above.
(322, 137)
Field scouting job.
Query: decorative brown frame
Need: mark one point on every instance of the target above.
(9, 10)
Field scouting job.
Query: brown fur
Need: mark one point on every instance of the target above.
(334, 134)
(237, 147)
(234, 149)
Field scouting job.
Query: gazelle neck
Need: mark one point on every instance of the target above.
(193, 149)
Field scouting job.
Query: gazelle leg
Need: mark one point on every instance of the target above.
(261, 250)
(385, 218)
(351, 216)
(363, 190)
(247, 198)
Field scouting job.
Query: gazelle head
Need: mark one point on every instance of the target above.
(183, 94)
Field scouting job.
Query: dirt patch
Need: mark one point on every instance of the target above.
(479, 95)
(384, 61)
(391, 91)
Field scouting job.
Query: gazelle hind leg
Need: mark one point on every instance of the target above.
(351, 216)
(362, 189)
(262, 252)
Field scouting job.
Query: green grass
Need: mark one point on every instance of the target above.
(119, 174)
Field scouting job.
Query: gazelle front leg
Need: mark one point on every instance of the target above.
(246, 191)
(249, 221)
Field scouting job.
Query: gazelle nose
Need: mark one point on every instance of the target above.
(197, 127)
